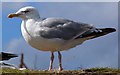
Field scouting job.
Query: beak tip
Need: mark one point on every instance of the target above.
(10, 16)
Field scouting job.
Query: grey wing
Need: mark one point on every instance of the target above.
(64, 29)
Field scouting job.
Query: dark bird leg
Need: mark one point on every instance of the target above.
(51, 61)
(60, 61)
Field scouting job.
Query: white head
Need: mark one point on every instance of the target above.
(28, 12)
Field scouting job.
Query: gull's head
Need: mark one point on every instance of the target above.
(28, 12)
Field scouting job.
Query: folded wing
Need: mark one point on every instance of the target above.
(63, 29)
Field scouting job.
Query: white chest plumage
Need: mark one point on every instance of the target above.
(31, 35)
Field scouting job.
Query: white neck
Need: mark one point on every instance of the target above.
(24, 28)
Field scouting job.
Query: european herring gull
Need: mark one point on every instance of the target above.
(55, 34)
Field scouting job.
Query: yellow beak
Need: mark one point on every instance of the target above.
(13, 15)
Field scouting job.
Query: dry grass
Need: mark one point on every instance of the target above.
(92, 71)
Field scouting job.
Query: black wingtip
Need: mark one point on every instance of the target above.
(111, 29)
(108, 30)
(7, 56)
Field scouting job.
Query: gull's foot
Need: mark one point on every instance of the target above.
(60, 69)
(50, 70)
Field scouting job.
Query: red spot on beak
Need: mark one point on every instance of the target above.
(12, 15)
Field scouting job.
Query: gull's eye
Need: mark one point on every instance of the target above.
(26, 11)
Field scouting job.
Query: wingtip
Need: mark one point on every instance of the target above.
(111, 29)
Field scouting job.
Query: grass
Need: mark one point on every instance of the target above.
(92, 71)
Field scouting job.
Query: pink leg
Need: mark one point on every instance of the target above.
(60, 61)
(51, 61)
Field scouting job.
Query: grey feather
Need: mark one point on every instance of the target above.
(63, 29)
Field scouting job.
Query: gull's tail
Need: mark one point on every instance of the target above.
(99, 32)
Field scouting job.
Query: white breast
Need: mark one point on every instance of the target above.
(31, 35)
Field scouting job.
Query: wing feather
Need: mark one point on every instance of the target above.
(63, 29)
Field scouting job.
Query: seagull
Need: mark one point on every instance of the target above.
(55, 34)
(7, 56)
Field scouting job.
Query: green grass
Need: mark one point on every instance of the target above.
(92, 71)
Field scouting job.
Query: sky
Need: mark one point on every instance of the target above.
(99, 52)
